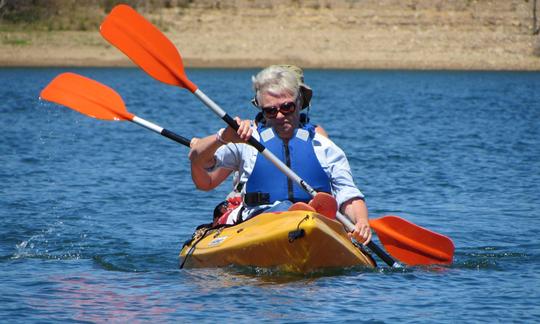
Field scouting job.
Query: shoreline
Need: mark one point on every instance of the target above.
(256, 64)
(97, 57)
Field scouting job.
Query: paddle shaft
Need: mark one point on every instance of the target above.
(371, 245)
(290, 173)
(160, 130)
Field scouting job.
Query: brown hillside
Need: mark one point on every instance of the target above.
(434, 34)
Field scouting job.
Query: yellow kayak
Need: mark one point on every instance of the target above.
(292, 241)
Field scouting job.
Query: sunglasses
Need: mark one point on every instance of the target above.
(285, 108)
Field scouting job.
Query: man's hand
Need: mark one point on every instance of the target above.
(241, 136)
(356, 210)
(362, 232)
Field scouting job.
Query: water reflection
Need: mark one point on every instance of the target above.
(87, 297)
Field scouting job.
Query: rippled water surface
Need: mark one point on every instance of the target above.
(93, 213)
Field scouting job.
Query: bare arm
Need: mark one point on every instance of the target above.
(208, 180)
(202, 155)
(356, 210)
(202, 152)
(202, 178)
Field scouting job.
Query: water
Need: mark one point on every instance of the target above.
(93, 213)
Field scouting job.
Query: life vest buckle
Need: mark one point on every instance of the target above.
(256, 198)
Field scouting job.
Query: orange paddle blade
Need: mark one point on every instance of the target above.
(145, 45)
(412, 244)
(86, 96)
(325, 204)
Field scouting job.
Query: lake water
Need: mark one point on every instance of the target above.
(94, 213)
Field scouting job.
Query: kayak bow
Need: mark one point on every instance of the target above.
(292, 241)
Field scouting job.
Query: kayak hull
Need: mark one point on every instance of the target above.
(294, 241)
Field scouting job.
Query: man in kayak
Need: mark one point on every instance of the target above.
(280, 94)
(209, 179)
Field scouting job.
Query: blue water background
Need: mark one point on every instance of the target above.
(93, 213)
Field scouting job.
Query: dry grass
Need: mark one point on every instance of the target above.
(434, 34)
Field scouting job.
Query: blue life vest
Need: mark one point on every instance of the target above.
(299, 155)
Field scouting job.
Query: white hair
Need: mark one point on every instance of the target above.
(275, 80)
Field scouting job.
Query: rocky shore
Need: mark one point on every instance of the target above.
(386, 34)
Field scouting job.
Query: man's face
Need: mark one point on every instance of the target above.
(281, 113)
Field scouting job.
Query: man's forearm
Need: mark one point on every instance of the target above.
(356, 210)
(202, 152)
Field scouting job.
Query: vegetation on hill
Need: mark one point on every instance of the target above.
(69, 14)
(456, 34)
(86, 15)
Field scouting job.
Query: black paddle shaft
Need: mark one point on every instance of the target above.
(252, 141)
(175, 137)
(383, 255)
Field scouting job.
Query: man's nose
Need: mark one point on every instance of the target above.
(280, 115)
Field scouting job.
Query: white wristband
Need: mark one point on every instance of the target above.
(219, 137)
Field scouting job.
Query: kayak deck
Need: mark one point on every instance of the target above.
(292, 241)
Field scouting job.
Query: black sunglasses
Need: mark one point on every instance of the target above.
(285, 108)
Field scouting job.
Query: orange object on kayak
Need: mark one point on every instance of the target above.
(325, 204)
(301, 206)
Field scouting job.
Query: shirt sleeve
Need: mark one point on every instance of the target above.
(237, 156)
(338, 169)
(227, 156)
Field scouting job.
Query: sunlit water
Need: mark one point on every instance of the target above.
(93, 213)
